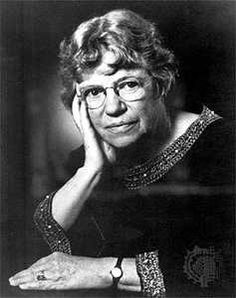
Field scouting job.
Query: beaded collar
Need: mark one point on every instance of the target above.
(153, 169)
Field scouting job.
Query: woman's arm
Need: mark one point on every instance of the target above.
(63, 271)
(130, 280)
(58, 211)
(69, 200)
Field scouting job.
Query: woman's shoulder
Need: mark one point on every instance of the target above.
(212, 155)
(207, 143)
(184, 120)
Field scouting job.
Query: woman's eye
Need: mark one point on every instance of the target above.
(129, 85)
(93, 92)
(132, 84)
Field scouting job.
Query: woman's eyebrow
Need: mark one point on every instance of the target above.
(124, 78)
(129, 77)
(90, 85)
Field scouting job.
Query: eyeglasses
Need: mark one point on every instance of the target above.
(130, 89)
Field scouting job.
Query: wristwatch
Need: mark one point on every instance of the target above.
(117, 272)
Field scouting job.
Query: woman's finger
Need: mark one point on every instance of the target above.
(76, 113)
(33, 286)
(30, 274)
(38, 285)
(21, 277)
(46, 285)
(89, 133)
(84, 117)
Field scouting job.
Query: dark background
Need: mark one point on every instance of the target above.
(202, 35)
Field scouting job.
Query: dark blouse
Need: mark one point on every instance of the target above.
(179, 203)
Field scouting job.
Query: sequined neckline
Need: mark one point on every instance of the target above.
(153, 169)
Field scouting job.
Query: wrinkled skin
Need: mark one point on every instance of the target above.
(62, 271)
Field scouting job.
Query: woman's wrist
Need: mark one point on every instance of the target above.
(89, 170)
(103, 270)
(76, 191)
(129, 280)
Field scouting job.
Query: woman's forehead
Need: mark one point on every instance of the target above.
(106, 75)
(107, 70)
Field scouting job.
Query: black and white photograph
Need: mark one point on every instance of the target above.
(117, 145)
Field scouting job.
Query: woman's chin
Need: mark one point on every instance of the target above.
(123, 142)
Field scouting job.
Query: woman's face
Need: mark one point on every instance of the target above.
(122, 122)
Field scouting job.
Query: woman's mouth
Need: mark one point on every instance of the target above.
(122, 127)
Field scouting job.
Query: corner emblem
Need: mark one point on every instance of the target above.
(202, 266)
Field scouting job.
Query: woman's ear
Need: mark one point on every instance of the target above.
(158, 89)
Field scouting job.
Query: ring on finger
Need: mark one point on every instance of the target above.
(40, 275)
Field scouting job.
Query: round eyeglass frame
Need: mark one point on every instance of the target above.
(138, 93)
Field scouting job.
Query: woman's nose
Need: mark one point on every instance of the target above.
(114, 104)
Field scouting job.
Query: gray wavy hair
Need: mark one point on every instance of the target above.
(136, 42)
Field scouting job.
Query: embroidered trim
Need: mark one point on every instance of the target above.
(52, 232)
(150, 274)
(135, 178)
(154, 169)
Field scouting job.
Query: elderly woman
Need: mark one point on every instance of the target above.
(111, 225)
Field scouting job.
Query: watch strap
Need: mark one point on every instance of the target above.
(116, 279)
(119, 261)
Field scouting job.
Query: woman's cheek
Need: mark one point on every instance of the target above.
(95, 119)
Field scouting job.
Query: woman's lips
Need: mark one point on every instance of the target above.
(122, 126)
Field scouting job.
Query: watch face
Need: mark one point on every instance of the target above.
(116, 272)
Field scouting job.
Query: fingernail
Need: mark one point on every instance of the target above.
(11, 281)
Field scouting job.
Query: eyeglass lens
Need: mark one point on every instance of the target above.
(129, 90)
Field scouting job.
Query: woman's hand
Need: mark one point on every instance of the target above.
(79, 188)
(97, 151)
(63, 271)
